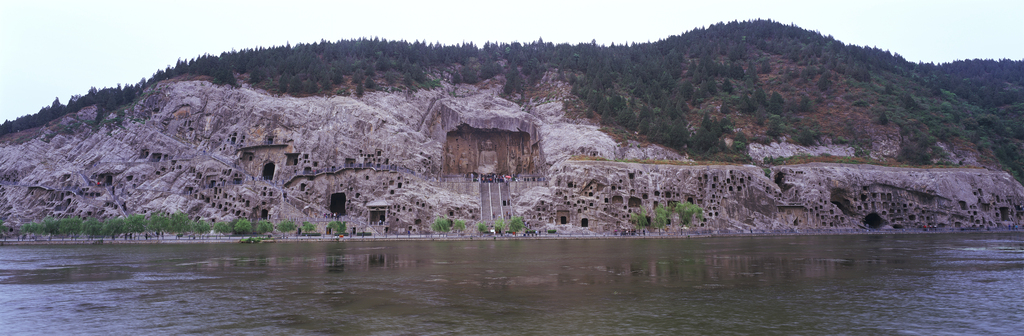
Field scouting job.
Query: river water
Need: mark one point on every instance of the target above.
(936, 284)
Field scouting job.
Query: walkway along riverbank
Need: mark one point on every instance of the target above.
(455, 237)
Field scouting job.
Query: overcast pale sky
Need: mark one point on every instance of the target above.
(61, 48)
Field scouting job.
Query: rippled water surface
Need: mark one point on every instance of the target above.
(813, 285)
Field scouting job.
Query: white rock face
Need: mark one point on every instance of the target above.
(961, 156)
(777, 150)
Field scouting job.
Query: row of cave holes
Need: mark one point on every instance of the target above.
(585, 222)
(618, 199)
(634, 203)
(302, 186)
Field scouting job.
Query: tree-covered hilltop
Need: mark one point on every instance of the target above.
(755, 81)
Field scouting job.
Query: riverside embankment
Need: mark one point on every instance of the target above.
(556, 236)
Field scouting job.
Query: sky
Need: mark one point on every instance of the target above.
(62, 48)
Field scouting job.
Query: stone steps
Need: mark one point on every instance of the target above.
(485, 202)
(495, 201)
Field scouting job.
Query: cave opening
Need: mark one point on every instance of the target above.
(873, 220)
(268, 171)
(338, 204)
(780, 179)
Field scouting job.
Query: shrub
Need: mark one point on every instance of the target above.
(552, 231)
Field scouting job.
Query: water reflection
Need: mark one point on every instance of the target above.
(818, 285)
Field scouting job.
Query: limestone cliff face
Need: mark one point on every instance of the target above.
(602, 195)
(400, 160)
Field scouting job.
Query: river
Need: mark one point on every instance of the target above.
(930, 284)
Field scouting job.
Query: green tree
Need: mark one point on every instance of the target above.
(264, 226)
(113, 227)
(469, 75)
(727, 86)
(159, 222)
(201, 227)
(775, 126)
(513, 81)
(441, 225)
(32, 227)
(639, 220)
(459, 225)
(825, 82)
(92, 227)
(776, 103)
(687, 211)
(499, 226)
(286, 226)
(369, 83)
(70, 226)
(308, 227)
(180, 223)
(135, 223)
(222, 227)
(661, 217)
(51, 226)
(242, 226)
(5, 230)
(516, 224)
(481, 227)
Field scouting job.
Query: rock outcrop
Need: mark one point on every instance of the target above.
(392, 162)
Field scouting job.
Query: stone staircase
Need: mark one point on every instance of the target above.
(495, 201)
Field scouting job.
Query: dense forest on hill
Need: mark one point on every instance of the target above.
(755, 81)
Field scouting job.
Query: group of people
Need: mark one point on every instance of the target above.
(494, 178)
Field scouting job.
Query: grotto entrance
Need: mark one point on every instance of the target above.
(378, 210)
(873, 221)
(840, 200)
(338, 204)
(268, 171)
(780, 179)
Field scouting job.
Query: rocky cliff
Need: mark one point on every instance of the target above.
(397, 160)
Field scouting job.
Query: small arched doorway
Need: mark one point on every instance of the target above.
(584, 222)
(268, 171)
(264, 214)
(564, 220)
(873, 220)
